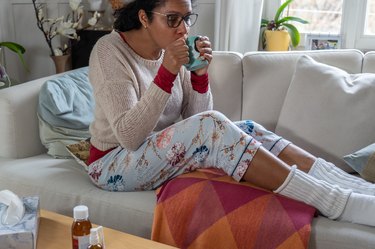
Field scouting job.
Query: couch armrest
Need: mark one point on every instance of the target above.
(19, 127)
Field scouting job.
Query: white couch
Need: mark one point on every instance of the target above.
(250, 86)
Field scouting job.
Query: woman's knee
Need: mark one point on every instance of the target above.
(216, 115)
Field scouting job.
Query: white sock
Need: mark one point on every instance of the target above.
(328, 172)
(329, 199)
(360, 209)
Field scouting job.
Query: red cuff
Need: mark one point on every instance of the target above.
(199, 82)
(96, 154)
(164, 79)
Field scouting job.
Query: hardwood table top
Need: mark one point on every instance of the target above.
(55, 233)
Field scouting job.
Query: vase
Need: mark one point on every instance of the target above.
(63, 63)
(4, 78)
(277, 40)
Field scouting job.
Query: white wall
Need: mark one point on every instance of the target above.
(206, 19)
(18, 24)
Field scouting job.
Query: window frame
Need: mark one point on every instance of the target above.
(353, 16)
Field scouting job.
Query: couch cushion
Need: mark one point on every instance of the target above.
(62, 184)
(363, 162)
(267, 76)
(329, 234)
(369, 62)
(328, 111)
(225, 74)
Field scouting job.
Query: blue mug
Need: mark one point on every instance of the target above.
(196, 61)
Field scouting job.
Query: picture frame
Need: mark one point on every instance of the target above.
(322, 42)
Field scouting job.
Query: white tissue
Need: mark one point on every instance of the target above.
(14, 209)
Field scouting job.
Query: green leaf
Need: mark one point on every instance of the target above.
(294, 34)
(18, 49)
(281, 9)
(265, 21)
(292, 18)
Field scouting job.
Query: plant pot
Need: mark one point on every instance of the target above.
(62, 63)
(277, 40)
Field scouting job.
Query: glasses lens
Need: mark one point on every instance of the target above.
(190, 19)
(173, 20)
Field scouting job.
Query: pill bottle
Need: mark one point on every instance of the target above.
(81, 227)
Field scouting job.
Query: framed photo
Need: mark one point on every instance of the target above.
(321, 42)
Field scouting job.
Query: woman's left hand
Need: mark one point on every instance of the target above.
(204, 48)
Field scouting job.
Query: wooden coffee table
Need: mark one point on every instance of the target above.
(54, 232)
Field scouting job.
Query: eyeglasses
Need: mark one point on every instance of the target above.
(174, 20)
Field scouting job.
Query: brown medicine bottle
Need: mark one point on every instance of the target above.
(81, 227)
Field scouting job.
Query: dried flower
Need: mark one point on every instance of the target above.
(52, 27)
(94, 19)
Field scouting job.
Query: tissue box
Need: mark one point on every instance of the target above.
(24, 234)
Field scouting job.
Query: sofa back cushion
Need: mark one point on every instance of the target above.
(369, 62)
(225, 74)
(327, 111)
(267, 76)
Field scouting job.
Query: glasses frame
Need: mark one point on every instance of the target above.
(182, 18)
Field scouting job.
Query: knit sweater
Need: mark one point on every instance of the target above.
(129, 106)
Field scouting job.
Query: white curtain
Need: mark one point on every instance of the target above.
(237, 25)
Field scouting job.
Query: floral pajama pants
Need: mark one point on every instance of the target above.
(205, 140)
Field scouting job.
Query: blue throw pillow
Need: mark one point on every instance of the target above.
(65, 111)
(363, 162)
(67, 100)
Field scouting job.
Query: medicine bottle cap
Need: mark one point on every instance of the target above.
(81, 212)
(97, 237)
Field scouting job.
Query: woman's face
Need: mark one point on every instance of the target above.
(158, 28)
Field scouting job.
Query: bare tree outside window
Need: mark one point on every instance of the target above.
(324, 16)
(370, 18)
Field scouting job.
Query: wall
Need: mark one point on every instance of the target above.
(18, 24)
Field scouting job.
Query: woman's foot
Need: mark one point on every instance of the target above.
(328, 172)
(331, 200)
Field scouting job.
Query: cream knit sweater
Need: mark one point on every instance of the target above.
(128, 105)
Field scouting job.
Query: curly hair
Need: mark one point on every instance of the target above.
(126, 18)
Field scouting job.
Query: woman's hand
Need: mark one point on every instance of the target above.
(203, 45)
(176, 54)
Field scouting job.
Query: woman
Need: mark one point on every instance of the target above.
(141, 88)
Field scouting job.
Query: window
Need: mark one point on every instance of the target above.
(324, 15)
(353, 20)
(370, 18)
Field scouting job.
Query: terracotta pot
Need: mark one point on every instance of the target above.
(62, 63)
(116, 4)
(277, 40)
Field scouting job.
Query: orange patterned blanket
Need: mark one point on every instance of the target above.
(207, 209)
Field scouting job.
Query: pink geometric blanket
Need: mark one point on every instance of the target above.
(208, 209)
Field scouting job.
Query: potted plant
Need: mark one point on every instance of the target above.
(19, 50)
(278, 32)
(15, 47)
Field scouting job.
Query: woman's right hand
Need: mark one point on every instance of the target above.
(176, 54)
